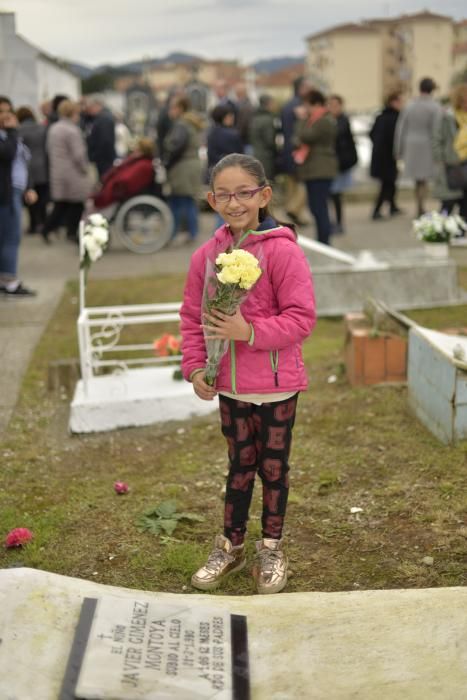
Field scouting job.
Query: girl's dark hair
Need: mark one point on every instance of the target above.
(255, 169)
(219, 113)
(5, 100)
(23, 113)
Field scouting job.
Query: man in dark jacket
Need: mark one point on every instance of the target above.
(223, 138)
(383, 162)
(263, 135)
(101, 139)
(34, 136)
(347, 158)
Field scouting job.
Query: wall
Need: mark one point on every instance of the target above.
(52, 79)
(432, 53)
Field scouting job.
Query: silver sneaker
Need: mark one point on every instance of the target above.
(270, 566)
(224, 560)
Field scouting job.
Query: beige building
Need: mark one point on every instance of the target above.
(365, 62)
(460, 47)
(347, 60)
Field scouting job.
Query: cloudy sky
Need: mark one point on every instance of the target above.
(114, 31)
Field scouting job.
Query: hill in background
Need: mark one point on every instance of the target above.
(264, 66)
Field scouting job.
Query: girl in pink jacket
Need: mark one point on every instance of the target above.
(259, 378)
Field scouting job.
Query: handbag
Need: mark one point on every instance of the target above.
(456, 176)
(300, 154)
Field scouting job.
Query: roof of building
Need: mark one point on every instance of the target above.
(281, 78)
(347, 27)
(367, 25)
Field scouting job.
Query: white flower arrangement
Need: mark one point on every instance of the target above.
(439, 227)
(95, 239)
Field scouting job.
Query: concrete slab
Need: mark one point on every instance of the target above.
(392, 644)
(132, 398)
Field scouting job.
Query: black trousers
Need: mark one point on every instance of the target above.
(387, 193)
(38, 210)
(66, 214)
(259, 440)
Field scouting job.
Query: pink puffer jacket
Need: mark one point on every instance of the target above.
(281, 308)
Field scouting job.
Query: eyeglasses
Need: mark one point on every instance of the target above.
(240, 196)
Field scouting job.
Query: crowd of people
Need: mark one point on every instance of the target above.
(52, 165)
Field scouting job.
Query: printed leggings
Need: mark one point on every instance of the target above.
(259, 440)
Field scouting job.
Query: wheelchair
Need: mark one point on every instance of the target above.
(143, 223)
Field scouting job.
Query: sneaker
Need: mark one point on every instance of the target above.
(19, 291)
(376, 216)
(223, 561)
(270, 566)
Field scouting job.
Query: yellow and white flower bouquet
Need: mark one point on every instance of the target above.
(227, 284)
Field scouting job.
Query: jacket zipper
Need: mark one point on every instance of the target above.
(233, 367)
(274, 357)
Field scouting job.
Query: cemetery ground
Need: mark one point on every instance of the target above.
(354, 448)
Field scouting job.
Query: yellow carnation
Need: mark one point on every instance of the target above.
(238, 267)
(228, 275)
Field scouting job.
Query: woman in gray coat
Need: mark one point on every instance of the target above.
(69, 182)
(414, 137)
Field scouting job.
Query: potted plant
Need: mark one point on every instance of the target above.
(436, 229)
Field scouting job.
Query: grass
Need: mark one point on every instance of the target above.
(353, 447)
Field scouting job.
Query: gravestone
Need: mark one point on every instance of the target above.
(142, 650)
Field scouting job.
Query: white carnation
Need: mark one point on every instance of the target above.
(92, 247)
(97, 220)
(100, 234)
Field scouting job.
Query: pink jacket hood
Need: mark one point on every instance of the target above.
(280, 308)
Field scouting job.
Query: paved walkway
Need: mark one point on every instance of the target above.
(47, 268)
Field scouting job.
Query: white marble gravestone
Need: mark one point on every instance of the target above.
(386, 644)
(135, 649)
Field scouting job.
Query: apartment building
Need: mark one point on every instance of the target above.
(364, 62)
(460, 47)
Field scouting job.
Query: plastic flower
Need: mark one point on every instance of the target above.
(95, 240)
(121, 487)
(97, 220)
(92, 247)
(100, 235)
(167, 345)
(18, 536)
(438, 227)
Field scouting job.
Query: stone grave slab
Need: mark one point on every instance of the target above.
(383, 644)
(404, 279)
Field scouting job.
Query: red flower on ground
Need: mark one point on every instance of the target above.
(121, 487)
(18, 536)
